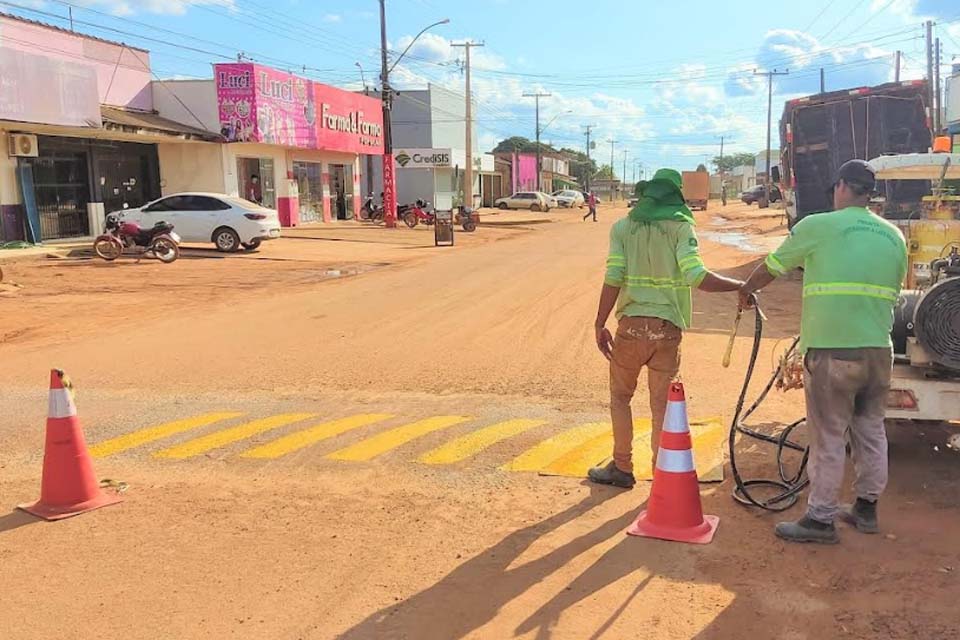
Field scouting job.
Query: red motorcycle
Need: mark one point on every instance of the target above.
(414, 214)
(159, 241)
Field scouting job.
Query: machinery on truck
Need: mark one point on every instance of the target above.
(819, 133)
(926, 331)
(696, 189)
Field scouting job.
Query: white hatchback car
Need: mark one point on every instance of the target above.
(228, 222)
(532, 200)
(569, 198)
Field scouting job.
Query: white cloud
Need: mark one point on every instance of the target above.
(333, 17)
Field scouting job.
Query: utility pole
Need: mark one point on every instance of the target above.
(588, 127)
(770, 75)
(938, 96)
(70, 11)
(823, 82)
(386, 96)
(468, 169)
(625, 152)
(896, 66)
(537, 96)
(723, 182)
(612, 177)
(930, 93)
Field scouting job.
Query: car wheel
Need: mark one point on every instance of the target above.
(534, 207)
(253, 245)
(226, 239)
(503, 206)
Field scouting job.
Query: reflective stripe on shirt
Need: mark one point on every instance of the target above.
(775, 266)
(850, 289)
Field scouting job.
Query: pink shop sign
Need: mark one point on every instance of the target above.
(260, 104)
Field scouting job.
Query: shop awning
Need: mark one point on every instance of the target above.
(150, 123)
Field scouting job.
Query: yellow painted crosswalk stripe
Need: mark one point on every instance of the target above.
(595, 451)
(383, 442)
(549, 450)
(312, 435)
(228, 436)
(475, 442)
(151, 434)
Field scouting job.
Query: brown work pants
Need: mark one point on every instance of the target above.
(846, 389)
(641, 342)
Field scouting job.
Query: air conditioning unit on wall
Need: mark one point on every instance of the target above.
(22, 145)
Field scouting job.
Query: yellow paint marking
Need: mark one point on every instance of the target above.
(228, 436)
(383, 442)
(475, 442)
(312, 435)
(546, 452)
(150, 434)
(596, 451)
(708, 438)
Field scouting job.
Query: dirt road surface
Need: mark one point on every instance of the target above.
(320, 441)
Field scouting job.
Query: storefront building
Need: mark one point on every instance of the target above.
(429, 140)
(78, 134)
(291, 144)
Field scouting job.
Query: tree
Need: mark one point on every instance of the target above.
(733, 160)
(522, 145)
(580, 167)
(605, 172)
(702, 167)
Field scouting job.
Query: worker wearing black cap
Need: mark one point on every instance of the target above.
(854, 264)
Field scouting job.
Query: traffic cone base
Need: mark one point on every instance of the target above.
(674, 511)
(699, 534)
(59, 512)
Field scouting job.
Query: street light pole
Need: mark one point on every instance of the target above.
(386, 96)
(537, 96)
(468, 143)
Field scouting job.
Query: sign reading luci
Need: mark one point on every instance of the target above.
(420, 158)
(260, 104)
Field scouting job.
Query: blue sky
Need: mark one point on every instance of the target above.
(665, 80)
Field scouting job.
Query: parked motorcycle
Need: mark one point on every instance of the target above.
(414, 214)
(371, 211)
(159, 242)
(467, 218)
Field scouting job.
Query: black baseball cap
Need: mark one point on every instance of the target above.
(858, 172)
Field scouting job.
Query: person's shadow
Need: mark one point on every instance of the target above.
(472, 594)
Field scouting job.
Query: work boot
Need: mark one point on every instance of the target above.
(808, 530)
(862, 515)
(611, 475)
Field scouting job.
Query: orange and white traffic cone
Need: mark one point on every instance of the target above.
(69, 486)
(674, 511)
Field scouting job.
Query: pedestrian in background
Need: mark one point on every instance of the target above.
(592, 206)
(653, 264)
(854, 264)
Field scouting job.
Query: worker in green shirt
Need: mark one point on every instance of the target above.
(653, 263)
(854, 264)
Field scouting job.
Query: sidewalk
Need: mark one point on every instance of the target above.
(53, 249)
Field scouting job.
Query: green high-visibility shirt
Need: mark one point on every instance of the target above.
(655, 264)
(854, 263)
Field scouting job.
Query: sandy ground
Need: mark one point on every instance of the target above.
(308, 547)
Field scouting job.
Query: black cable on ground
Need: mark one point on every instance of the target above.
(789, 486)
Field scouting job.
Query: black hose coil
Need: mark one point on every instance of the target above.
(937, 322)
